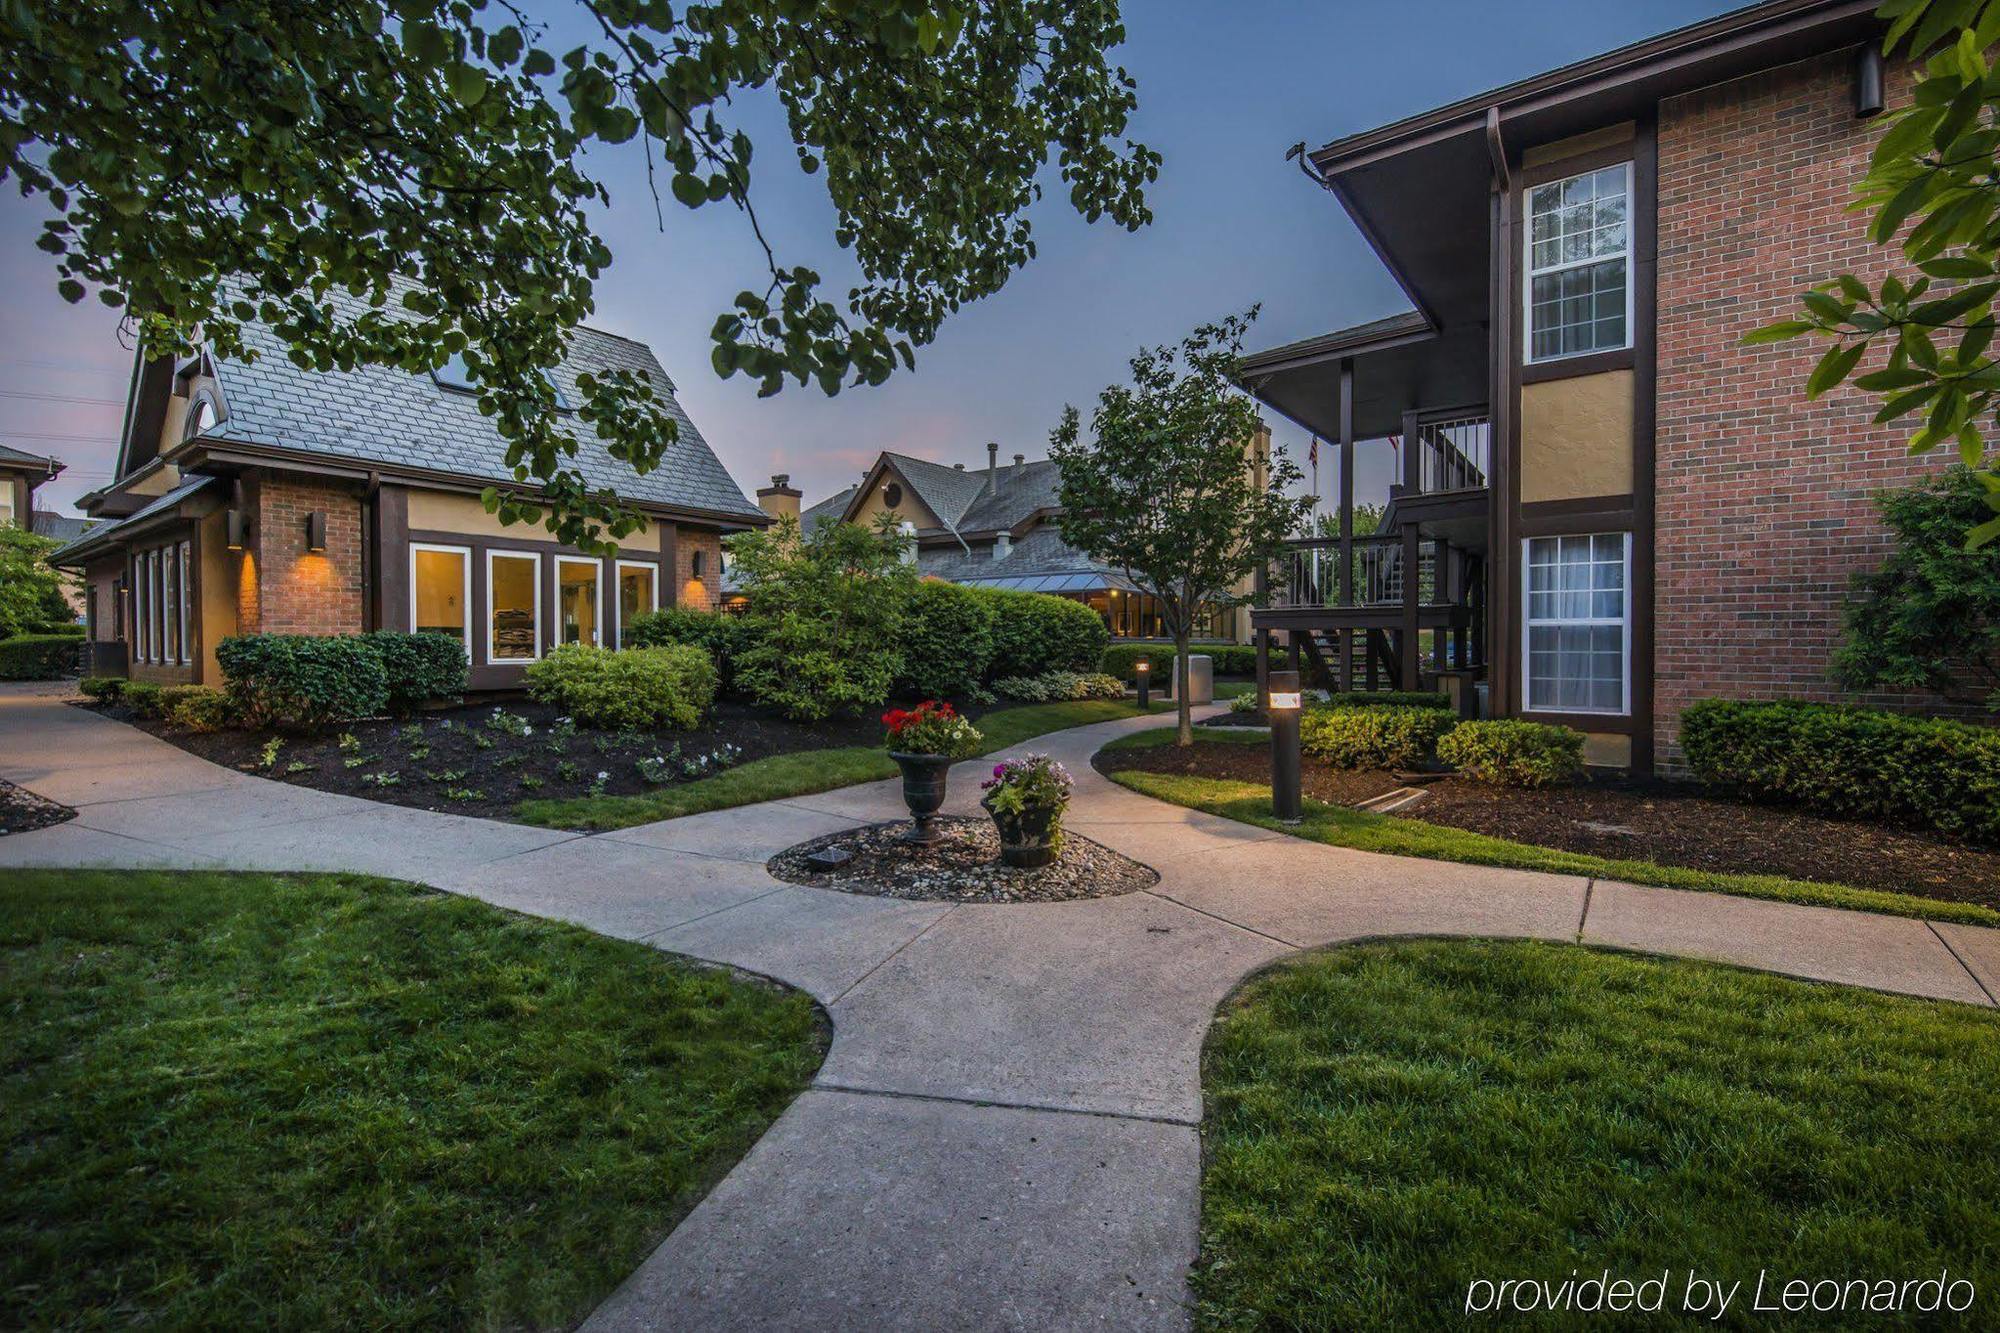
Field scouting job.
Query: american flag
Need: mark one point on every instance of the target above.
(1312, 454)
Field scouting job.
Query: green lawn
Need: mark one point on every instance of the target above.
(805, 771)
(1386, 1124)
(1339, 826)
(254, 1101)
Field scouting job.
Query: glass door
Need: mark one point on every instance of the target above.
(577, 599)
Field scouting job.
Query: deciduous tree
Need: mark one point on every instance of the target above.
(215, 162)
(1167, 489)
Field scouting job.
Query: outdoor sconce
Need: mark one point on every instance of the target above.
(237, 529)
(1142, 671)
(698, 564)
(1283, 710)
(1868, 82)
(316, 530)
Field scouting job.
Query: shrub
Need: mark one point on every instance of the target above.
(419, 667)
(303, 682)
(1034, 632)
(69, 629)
(197, 707)
(1372, 735)
(947, 641)
(723, 638)
(825, 611)
(1511, 753)
(1394, 698)
(1858, 763)
(1226, 659)
(1058, 686)
(626, 691)
(39, 656)
(104, 689)
(142, 697)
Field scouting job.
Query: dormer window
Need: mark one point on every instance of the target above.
(456, 376)
(201, 415)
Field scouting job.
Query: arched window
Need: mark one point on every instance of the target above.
(201, 414)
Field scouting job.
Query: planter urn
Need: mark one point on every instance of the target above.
(923, 791)
(1029, 838)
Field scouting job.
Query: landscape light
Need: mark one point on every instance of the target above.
(1282, 707)
(1142, 671)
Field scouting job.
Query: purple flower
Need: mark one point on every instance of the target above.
(999, 770)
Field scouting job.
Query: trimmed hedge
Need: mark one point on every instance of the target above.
(39, 656)
(722, 637)
(142, 697)
(102, 688)
(946, 641)
(1508, 752)
(1394, 698)
(419, 667)
(303, 682)
(626, 691)
(197, 707)
(1226, 659)
(1859, 763)
(1373, 735)
(1034, 632)
(1059, 687)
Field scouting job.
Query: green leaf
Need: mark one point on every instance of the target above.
(1782, 331)
(467, 83)
(1981, 534)
(1834, 367)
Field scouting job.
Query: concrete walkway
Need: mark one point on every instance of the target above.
(1004, 1132)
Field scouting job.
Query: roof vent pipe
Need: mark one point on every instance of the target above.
(1868, 82)
(992, 466)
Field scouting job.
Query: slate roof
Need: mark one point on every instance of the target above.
(102, 532)
(828, 510)
(9, 454)
(946, 491)
(379, 414)
(1024, 489)
(62, 527)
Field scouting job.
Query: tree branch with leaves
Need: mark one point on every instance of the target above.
(1168, 489)
(208, 163)
(1933, 181)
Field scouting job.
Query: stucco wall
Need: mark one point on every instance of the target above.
(1576, 437)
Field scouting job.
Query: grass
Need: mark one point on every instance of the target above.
(1385, 1124)
(1339, 826)
(803, 772)
(259, 1101)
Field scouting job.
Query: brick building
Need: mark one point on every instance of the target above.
(259, 496)
(1613, 508)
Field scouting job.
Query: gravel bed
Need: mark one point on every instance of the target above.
(21, 811)
(962, 866)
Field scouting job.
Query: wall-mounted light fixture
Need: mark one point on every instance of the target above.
(698, 564)
(237, 528)
(1868, 82)
(316, 530)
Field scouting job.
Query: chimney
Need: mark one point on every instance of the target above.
(958, 467)
(778, 499)
(1020, 461)
(992, 466)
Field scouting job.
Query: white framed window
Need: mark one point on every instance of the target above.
(156, 626)
(139, 607)
(579, 599)
(513, 607)
(1576, 635)
(638, 592)
(1578, 242)
(441, 591)
(170, 606)
(187, 653)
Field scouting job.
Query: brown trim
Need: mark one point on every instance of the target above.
(241, 454)
(1575, 164)
(1586, 363)
(391, 541)
(1503, 632)
(1645, 389)
(1373, 235)
(1617, 724)
(1568, 518)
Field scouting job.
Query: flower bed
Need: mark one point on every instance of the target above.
(962, 866)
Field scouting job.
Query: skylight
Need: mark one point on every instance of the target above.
(458, 377)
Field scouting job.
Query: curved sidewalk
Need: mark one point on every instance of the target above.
(1004, 1132)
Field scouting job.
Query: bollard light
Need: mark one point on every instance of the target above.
(1284, 715)
(1142, 672)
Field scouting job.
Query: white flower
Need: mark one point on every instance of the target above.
(603, 776)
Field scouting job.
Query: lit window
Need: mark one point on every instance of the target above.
(576, 599)
(440, 589)
(638, 593)
(1577, 624)
(6, 499)
(513, 607)
(1579, 247)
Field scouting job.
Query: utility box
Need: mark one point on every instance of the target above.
(1201, 678)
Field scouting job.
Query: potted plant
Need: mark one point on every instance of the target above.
(924, 741)
(1026, 798)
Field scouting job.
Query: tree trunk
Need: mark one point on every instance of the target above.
(1186, 736)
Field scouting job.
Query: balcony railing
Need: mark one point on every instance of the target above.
(1454, 453)
(1308, 572)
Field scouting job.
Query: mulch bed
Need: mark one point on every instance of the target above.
(1666, 823)
(454, 759)
(963, 866)
(21, 811)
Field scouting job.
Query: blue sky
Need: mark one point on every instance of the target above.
(1225, 86)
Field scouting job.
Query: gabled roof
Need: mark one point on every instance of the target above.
(830, 510)
(62, 527)
(1025, 490)
(946, 491)
(396, 418)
